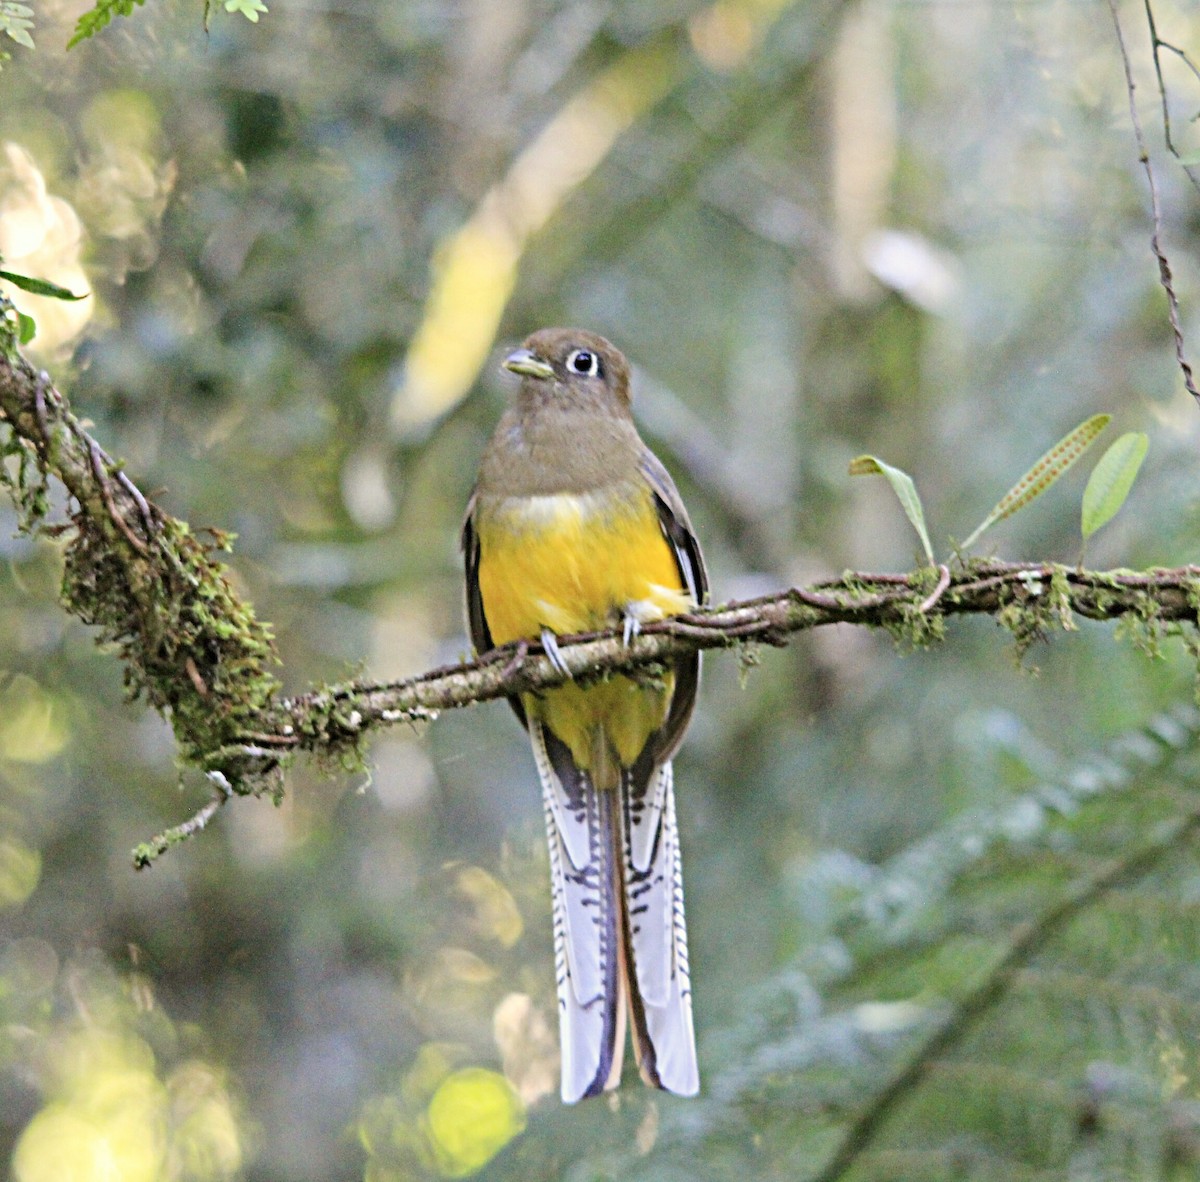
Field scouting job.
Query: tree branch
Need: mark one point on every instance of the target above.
(1027, 598)
(199, 655)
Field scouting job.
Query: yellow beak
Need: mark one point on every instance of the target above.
(528, 364)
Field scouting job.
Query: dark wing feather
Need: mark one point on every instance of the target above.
(481, 636)
(477, 625)
(677, 529)
(676, 526)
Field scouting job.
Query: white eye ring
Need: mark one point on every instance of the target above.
(585, 362)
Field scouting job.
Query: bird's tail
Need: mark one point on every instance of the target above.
(619, 936)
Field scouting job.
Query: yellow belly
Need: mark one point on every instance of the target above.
(577, 564)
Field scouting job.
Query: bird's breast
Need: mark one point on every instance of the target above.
(574, 562)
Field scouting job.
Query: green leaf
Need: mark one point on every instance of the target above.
(96, 18)
(1111, 480)
(248, 8)
(1044, 473)
(26, 328)
(16, 20)
(42, 287)
(905, 490)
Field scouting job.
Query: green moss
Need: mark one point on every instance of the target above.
(1027, 615)
(23, 479)
(190, 646)
(1025, 627)
(1142, 625)
(851, 586)
(335, 730)
(749, 656)
(652, 676)
(1059, 603)
(915, 629)
(9, 329)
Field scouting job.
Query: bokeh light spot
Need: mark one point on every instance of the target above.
(40, 236)
(472, 1116)
(31, 729)
(20, 871)
(495, 912)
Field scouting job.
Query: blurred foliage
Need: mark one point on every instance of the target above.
(820, 230)
(16, 20)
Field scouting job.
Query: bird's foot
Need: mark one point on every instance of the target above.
(554, 653)
(633, 626)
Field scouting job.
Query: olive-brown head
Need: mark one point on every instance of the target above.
(574, 368)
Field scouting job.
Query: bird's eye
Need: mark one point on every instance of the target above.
(585, 362)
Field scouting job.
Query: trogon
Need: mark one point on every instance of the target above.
(575, 526)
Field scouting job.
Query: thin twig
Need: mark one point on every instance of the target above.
(148, 851)
(1156, 44)
(283, 739)
(942, 583)
(39, 404)
(1164, 266)
(518, 657)
(105, 486)
(143, 505)
(189, 666)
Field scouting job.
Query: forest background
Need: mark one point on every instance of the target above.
(943, 903)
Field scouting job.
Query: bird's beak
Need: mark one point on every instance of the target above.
(528, 364)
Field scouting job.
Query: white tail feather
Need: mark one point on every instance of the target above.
(587, 929)
(664, 1037)
(617, 888)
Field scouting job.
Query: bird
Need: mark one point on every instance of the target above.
(573, 526)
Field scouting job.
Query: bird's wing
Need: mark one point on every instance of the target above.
(676, 526)
(677, 529)
(660, 986)
(477, 625)
(481, 636)
(585, 875)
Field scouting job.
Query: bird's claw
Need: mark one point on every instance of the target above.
(554, 653)
(633, 627)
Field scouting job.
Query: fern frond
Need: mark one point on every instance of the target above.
(100, 15)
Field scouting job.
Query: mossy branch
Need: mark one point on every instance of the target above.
(1029, 599)
(201, 657)
(143, 578)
